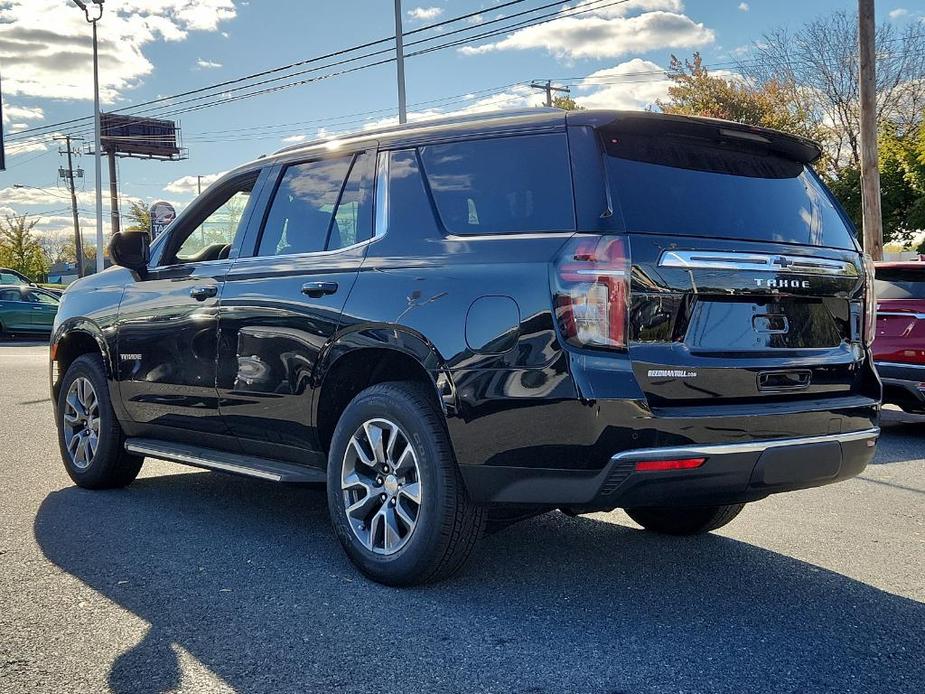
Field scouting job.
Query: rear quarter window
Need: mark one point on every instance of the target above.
(900, 283)
(502, 185)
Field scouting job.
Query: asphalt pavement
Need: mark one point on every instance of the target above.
(199, 582)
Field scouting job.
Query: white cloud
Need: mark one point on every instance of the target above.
(294, 139)
(634, 84)
(604, 33)
(743, 6)
(425, 12)
(190, 184)
(45, 44)
(12, 112)
(899, 13)
(207, 64)
(34, 197)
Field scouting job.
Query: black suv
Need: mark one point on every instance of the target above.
(465, 322)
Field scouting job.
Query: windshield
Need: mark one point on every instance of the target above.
(680, 187)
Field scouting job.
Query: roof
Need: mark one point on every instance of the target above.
(792, 146)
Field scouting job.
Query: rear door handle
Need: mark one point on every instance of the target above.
(203, 293)
(319, 289)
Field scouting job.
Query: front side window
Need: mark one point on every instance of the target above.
(43, 298)
(502, 185)
(213, 237)
(303, 207)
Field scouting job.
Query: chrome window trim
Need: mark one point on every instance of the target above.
(705, 451)
(381, 196)
(756, 262)
(296, 256)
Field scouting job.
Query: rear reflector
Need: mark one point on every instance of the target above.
(656, 465)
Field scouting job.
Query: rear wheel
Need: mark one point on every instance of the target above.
(396, 497)
(684, 521)
(89, 435)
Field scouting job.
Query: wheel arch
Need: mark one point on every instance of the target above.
(362, 358)
(73, 340)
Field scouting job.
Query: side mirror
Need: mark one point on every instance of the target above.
(130, 249)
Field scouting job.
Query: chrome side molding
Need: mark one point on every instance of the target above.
(757, 262)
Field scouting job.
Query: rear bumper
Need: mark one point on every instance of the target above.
(732, 473)
(903, 384)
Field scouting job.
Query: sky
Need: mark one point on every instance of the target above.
(610, 54)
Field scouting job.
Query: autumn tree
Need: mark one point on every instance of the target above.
(19, 248)
(566, 103)
(139, 217)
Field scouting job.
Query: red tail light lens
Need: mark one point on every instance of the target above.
(592, 292)
(870, 301)
(657, 465)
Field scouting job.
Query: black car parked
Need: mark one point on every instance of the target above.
(469, 321)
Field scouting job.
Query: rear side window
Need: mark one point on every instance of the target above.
(502, 185)
(900, 283)
(303, 207)
(678, 187)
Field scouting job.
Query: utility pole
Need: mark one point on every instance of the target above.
(68, 175)
(113, 192)
(549, 89)
(199, 185)
(870, 171)
(96, 127)
(400, 62)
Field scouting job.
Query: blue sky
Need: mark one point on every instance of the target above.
(609, 55)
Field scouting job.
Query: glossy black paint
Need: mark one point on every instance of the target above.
(258, 366)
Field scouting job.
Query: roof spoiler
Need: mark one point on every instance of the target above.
(790, 146)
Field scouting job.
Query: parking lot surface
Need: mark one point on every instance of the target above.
(200, 582)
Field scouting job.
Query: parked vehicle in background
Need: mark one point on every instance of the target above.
(899, 347)
(487, 317)
(9, 276)
(26, 310)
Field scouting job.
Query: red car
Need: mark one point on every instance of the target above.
(899, 347)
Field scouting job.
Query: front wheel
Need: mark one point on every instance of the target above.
(396, 497)
(684, 521)
(89, 435)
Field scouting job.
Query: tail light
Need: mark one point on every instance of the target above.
(870, 301)
(591, 292)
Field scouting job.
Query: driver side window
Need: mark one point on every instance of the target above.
(213, 236)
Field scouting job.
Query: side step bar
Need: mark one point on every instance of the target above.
(223, 461)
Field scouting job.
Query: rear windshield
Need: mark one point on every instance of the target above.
(675, 186)
(900, 283)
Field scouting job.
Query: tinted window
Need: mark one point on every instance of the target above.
(9, 278)
(10, 295)
(674, 187)
(43, 298)
(900, 283)
(209, 239)
(502, 185)
(353, 220)
(303, 206)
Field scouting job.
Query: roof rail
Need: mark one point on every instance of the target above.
(424, 123)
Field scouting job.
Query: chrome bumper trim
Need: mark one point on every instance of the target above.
(707, 450)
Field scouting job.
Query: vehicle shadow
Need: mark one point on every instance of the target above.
(249, 579)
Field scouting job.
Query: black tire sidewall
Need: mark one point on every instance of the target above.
(426, 545)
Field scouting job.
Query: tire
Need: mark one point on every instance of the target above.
(445, 525)
(106, 466)
(684, 521)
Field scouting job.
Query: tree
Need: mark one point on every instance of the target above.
(19, 249)
(58, 246)
(816, 69)
(694, 91)
(566, 103)
(139, 217)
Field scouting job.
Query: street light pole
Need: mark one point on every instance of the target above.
(97, 145)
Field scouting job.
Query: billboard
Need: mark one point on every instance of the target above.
(162, 214)
(140, 137)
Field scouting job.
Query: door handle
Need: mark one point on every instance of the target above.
(319, 289)
(203, 293)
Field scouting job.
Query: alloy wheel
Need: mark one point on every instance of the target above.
(381, 486)
(81, 422)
